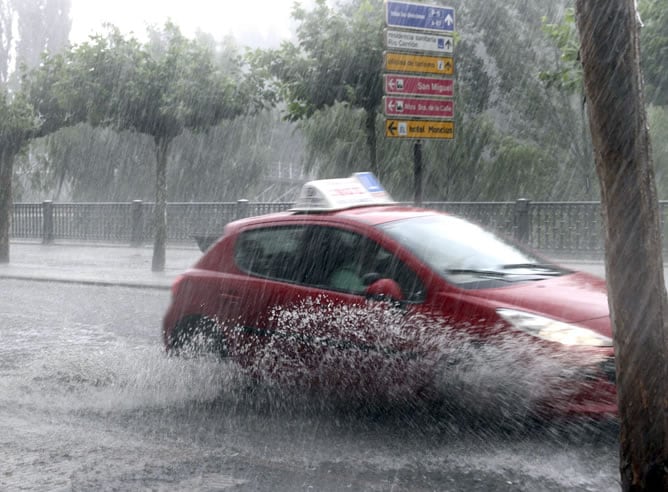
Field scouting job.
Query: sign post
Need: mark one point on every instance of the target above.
(418, 85)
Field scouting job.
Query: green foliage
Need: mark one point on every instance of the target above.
(230, 161)
(654, 45)
(159, 88)
(335, 141)
(658, 126)
(567, 75)
(17, 123)
(27, 29)
(338, 58)
(507, 124)
(223, 164)
(520, 170)
(6, 39)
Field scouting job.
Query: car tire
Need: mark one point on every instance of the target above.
(196, 336)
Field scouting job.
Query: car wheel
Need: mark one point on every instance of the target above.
(197, 335)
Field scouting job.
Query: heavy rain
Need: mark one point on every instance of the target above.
(213, 275)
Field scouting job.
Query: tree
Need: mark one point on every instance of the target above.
(6, 39)
(565, 77)
(158, 89)
(17, 125)
(42, 26)
(500, 103)
(338, 59)
(29, 28)
(654, 38)
(564, 82)
(610, 53)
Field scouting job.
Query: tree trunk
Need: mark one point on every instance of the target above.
(6, 166)
(610, 56)
(160, 214)
(371, 140)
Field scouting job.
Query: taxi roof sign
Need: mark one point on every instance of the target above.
(323, 195)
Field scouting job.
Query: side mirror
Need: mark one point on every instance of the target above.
(384, 289)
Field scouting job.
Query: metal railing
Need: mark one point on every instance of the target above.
(553, 227)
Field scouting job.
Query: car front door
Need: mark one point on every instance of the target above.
(306, 309)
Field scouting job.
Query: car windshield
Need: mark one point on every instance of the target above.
(461, 250)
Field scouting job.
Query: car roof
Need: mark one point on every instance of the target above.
(380, 214)
(368, 215)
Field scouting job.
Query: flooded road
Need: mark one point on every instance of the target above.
(89, 401)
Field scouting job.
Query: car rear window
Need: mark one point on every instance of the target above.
(271, 252)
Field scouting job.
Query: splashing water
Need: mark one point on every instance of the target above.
(375, 356)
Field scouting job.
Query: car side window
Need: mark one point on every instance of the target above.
(271, 252)
(342, 260)
(324, 257)
(388, 265)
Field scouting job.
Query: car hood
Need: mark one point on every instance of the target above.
(573, 298)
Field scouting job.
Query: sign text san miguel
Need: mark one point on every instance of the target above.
(409, 85)
(419, 65)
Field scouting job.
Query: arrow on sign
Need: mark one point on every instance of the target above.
(391, 127)
(449, 20)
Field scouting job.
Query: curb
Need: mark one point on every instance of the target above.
(96, 283)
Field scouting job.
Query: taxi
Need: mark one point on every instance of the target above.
(352, 290)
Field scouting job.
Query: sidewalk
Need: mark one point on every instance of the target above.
(95, 264)
(122, 265)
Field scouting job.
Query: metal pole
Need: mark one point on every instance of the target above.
(137, 227)
(417, 172)
(47, 222)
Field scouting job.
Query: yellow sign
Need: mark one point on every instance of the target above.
(420, 129)
(400, 62)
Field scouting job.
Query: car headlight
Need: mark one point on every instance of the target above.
(553, 330)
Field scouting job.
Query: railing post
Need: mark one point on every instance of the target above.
(47, 221)
(242, 208)
(522, 220)
(137, 227)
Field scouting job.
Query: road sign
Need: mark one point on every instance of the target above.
(420, 129)
(420, 16)
(418, 42)
(410, 85)
(400, 62)
(420, 107)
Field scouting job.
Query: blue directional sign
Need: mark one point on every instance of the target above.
(420, 16)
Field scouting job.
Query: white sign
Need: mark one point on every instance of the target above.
(419, 42)
(336, 194)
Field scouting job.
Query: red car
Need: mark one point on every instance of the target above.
(351, 291)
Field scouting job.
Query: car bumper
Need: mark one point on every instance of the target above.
(591, 392)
